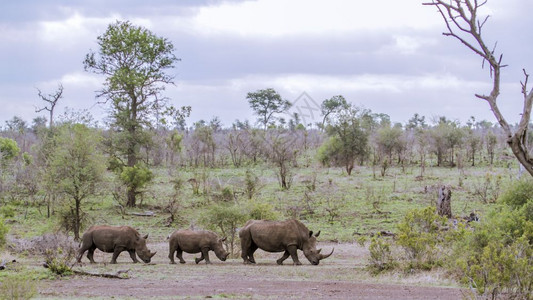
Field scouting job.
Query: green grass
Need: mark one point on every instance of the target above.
(341, 206)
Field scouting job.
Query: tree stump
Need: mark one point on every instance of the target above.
(444, 203)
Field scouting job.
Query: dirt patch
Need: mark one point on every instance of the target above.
(340, 277)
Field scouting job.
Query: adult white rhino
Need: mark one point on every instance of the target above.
(279, 236)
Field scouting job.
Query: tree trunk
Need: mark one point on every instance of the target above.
(77, 220)
(349, 168)
(444, 203)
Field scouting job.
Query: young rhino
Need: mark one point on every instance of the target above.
(114, 240)
(194, 242)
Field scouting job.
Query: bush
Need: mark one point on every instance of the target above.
(381, 258)
(419, 234)
(262, 211)
(251, 182)
(7, 211)
(518, 194)
(495, 258)
(225, 219)
(17, 287)
(58, 261)
(3, 232)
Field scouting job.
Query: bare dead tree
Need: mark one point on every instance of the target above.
(444, 202)
(51, 99)
(464, 24)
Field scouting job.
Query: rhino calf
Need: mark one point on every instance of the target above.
(114, 240)
(286, 236)
(195, 242)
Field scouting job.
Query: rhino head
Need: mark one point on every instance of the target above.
(309, 248)
(141, 249)
(219, 250)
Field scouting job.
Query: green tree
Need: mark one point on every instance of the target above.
(348, 139)
(446, 136)
(280, 149)
(174, 144)
(134, 62)
(76, 168)
(226, 219)
(388, 140)
(266, 103)
(8, 150)
(331, 106)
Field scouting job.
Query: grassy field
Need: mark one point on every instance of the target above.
(342, 207)
(324, 198)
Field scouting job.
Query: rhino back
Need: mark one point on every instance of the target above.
(275, 236)
(192, 241)
(106, 238)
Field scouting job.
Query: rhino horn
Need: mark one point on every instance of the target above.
(152, 255)
(322, 256)
(317, 234)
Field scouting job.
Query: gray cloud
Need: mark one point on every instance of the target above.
(421, 70)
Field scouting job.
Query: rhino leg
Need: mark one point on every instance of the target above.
(251, 252)
(179, 254)
(246, 249)
(283, 258)
(133, 256)
(90, 254)
(171, 256)
(205, 255)
(82, 250)
(80, 255)
(116, 252)
(199, 259)
(294, 254)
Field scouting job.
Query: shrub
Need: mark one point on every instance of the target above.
(419, 234)
(262, 211)
(226, 194)
(3, 232)
(495, 258)
(225, 219)
(518, 194)
(488, 188)
(17, 287)
(58, 261)
(251, 182)
(7, 211)
(381, 257)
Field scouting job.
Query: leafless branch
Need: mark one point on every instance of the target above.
(52, 99)
(462, 23)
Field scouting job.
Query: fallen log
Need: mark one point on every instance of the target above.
(144, 214)
(105, 275)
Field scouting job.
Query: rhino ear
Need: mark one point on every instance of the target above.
(223, 239)
(317, 234)
(310, 233)
(145, 237)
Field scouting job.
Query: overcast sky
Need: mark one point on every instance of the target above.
(388, 55)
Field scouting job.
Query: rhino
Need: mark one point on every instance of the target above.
(279, 236)
(192, 241)
(114, 240)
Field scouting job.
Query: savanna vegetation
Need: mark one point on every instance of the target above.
(354, 174)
